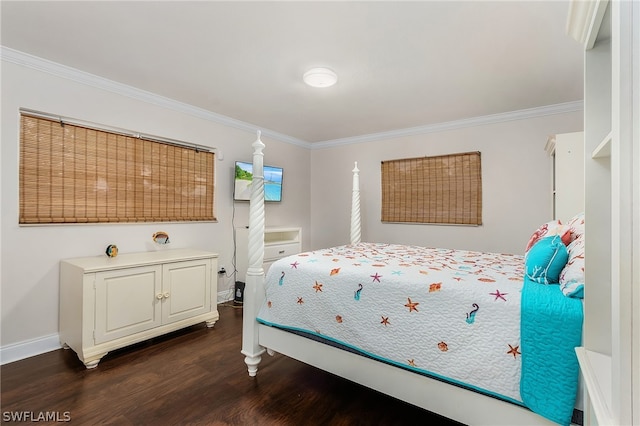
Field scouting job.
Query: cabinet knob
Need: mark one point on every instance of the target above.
(159, 296)
(166, 295)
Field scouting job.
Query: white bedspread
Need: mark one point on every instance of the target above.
(448, 313)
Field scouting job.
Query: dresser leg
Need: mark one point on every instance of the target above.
(93, 363)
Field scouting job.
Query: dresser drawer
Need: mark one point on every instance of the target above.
(278, 251)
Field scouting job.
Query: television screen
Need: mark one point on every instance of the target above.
(244, 176)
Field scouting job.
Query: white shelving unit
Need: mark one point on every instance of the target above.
(567, 163)
(603, 150)
(610, 356)
(278, 243)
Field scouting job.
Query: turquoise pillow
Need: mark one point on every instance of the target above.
(545, 260)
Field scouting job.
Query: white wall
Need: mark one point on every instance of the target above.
(30, 255)
(516, 180)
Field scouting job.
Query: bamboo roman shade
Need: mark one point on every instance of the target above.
(75, 174)
(445, 189)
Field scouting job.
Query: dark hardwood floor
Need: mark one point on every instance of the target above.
(195, 376)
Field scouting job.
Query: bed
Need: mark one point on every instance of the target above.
(438, 328)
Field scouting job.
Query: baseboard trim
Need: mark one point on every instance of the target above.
(29, 348)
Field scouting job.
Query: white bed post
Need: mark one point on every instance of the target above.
(355, 207)
(254, 289)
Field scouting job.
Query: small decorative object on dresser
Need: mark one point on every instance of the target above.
(112, 250)
(109, 303)
(161, 237)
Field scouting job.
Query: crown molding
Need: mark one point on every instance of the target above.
(59, 70)
(43, 65)
(458, 124)
(584, 20)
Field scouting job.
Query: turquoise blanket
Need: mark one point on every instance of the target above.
(551, 329)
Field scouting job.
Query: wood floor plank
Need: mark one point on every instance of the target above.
(195, 376)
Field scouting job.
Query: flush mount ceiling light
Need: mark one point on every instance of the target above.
(320, 77)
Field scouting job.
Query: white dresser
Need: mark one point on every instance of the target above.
(278, 243)
(108, 303)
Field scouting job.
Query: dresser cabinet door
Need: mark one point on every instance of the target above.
(127, 302)
(186, 290)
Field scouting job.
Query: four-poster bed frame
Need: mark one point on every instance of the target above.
(446, 399)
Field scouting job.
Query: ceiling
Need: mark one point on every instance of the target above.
(400, 64)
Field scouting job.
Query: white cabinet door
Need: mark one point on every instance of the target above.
(186, 290)
(569, 175)
(127, 302)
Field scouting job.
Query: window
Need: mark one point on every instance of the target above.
(76, 174)
(445, 189)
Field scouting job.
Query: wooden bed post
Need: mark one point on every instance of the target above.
(254, 288)
(355, 207)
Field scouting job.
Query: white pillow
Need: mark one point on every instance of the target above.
(572, 275)
(555, 227)
(576, 226)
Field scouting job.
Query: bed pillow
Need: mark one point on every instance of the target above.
(576, 227)
(555, 227)
(546, 259)
(572, 275)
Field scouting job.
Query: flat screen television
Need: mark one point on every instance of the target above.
(244, 176)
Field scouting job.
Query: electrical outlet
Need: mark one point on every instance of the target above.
(221, 270)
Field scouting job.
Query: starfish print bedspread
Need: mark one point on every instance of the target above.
(450, 314)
